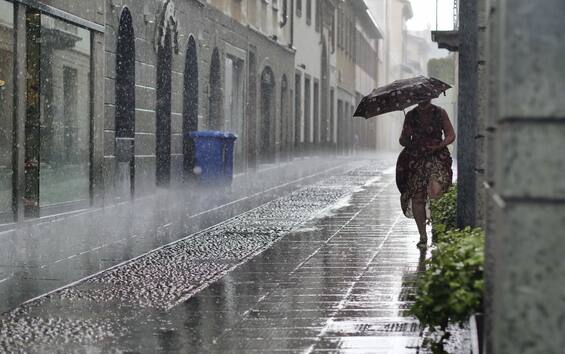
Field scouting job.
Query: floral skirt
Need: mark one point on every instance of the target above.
(415, 170)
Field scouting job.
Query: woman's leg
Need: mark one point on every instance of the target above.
(434, 189)
(419, 211)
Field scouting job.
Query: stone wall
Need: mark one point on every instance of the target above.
(519, 134)
(211, 29)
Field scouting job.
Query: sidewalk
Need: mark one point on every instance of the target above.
(40, 255)
(292, 275)
(340, 284)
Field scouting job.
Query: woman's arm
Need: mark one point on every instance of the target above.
(406, 136)
(448, 130)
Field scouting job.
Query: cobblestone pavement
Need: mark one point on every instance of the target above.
(43, 254)
(328, 268)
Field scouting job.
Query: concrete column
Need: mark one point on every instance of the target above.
(466, 130)
(528, 295)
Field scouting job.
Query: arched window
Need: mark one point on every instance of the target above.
(251, 128)
(267, 114)
(163, 111)
(215, 96)
(190, 105)
(125, 104)
(284, 122)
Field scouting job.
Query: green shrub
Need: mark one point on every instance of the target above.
(451, 288)
(444, 213)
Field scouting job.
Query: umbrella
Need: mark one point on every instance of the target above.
(399, 95)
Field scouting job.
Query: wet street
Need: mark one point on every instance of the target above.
(326, 268)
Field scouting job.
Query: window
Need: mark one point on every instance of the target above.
(284, 123)
(163, 111)
(316, 124)
(125, 105)
(284, 19)
(332, 116)
(332, 33)
(6, 109)
(340, 29)
(190, 107)
(298, 8)
(308, 12)
(233, 105)
(58, 118)
(340, 133)
(251, 109)
(346, 34)
(307, 108)
(267, 120)
(297, 108)
(318, 17)
(215, 90)
(352, 32)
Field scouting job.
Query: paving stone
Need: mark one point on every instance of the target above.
(341, 282)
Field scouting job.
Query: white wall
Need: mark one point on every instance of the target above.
(309, 53)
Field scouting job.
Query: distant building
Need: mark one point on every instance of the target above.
(367, 38)
(391, 15)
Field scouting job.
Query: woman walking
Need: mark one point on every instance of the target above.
(424, 166)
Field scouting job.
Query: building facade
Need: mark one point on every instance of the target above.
(314, 79)
(99, 97)
(367, 37)
(391, 15)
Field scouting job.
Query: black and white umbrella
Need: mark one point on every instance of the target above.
(400, 95)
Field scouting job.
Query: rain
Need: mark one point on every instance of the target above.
(288, 175)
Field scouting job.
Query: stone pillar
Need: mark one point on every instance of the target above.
(482, 109)
(528, 196)
(466, 130)
(487, 107)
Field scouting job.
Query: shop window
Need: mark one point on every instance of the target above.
(57, 153)
(6, 109)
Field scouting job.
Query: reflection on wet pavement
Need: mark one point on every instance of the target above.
(339, 283)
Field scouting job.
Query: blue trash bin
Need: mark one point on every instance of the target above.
(213, 156)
